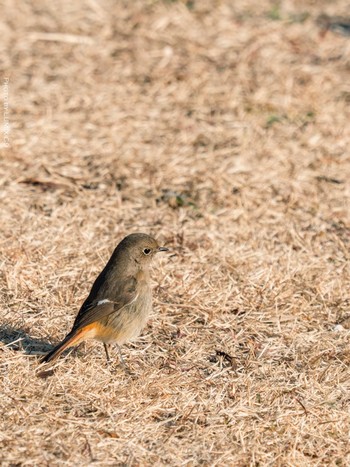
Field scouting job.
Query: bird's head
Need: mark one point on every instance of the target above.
(141, 248)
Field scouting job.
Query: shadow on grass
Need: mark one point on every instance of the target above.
(17, 339)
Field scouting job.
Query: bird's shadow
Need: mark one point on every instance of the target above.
(18, 339)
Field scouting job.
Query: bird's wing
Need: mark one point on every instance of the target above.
(101, 307)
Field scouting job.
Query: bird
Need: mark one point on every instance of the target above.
(120, 300)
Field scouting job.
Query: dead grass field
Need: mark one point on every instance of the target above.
(222, 128)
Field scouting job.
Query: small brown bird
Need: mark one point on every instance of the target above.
(120, 299)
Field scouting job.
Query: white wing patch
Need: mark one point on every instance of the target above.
(101, 302)
(105, 300)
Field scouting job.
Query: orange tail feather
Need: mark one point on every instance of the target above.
(71, 340)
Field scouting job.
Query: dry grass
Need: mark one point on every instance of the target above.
(222, 128)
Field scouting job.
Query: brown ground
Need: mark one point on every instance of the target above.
(222, 128)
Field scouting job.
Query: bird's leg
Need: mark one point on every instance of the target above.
(121, 357)
(107, 354)
(122, 362)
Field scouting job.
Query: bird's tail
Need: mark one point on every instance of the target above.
(72, 339)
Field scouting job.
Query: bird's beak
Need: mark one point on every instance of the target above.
(162, 248)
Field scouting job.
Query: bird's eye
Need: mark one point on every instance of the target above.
(147, 251)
